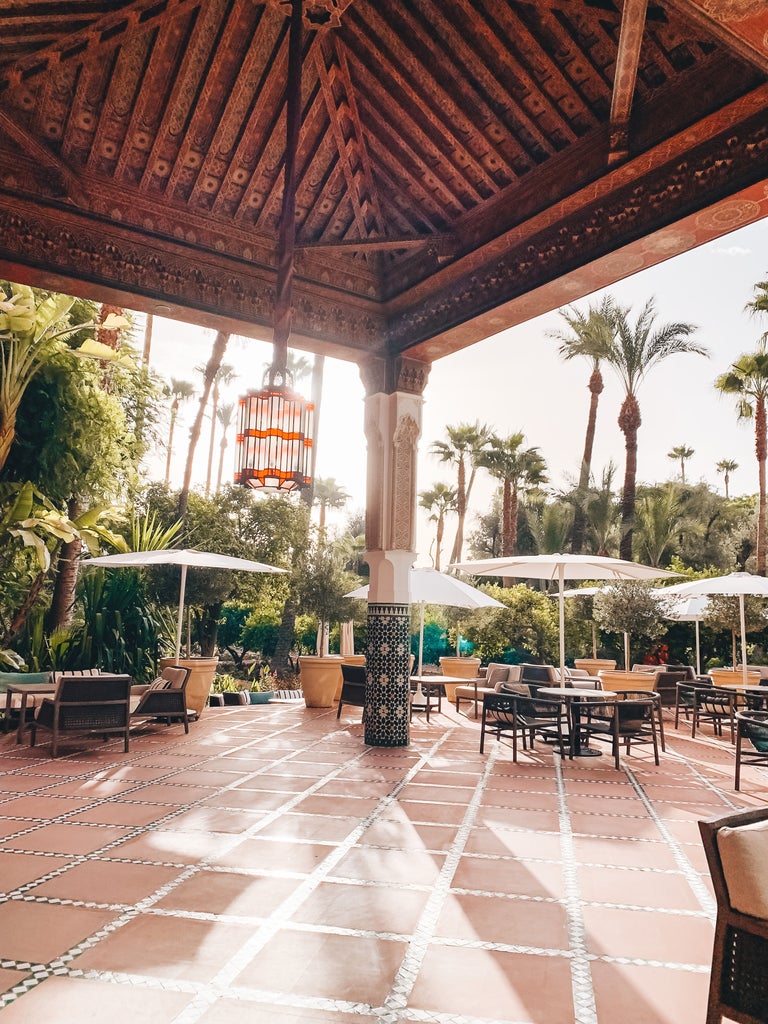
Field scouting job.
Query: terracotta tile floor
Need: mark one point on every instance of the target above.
(270, 867)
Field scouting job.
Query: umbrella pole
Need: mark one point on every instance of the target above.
(626, 652)
(698, 649)
(420, 696)
(561, 609)
(743, 623)
(182, 588)
(594, 641)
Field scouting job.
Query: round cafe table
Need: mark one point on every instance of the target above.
(573, 697)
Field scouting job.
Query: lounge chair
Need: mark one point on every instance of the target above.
(164, 700)
(85, 706)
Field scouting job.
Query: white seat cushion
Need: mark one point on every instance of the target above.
(744, 855)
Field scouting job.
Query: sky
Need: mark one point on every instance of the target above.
(516, 381)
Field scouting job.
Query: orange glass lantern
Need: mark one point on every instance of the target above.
(274, 438)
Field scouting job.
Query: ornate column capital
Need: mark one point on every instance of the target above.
(388, 375)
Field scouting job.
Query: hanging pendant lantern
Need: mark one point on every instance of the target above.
(274, 437)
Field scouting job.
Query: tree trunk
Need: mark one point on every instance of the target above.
(461, 511)
(212, 442)
(171, 428)
(760, 449)
(281, 661)
(579, 517)
(212, 368)
(629, 422)
(7, 435)
(727, 479)
(222, 450)
(439, 538)
(65, 579)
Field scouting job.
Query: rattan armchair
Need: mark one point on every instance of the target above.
(85, 706)
(737, 853)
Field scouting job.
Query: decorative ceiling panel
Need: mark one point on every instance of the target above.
(438, 137)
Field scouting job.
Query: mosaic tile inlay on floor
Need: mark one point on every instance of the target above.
(270, 867)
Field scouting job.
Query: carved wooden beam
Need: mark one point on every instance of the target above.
(723, 21)
(104, 33)
(625, 79)
(60, 177)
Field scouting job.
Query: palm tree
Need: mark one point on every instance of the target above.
(225, 374)
(682, 453)
(225, 415)
(590, 336)
(464, 444)
(659, 521)
(748, 380)
(439, 501)
(328, 494)
(211, 369)
(726, 467)
(180, 391)
(759, 305)
(602, 510)
(516, 467)
(637, 348)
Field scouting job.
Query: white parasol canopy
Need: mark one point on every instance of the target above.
(184, 557)
(563, 567)
(735, 584)
(428, 586)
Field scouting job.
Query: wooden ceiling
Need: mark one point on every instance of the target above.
(462, 164)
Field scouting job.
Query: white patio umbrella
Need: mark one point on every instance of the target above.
(735, 584)
(428, 586)
(184, 557)
(561, 567)
(687, 609)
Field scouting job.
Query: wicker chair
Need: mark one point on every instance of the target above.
(717, 705)
(352, 687)
(633, 716)
(85, 706)
(751, 741)
(520, 715)
(737, 853)
(164, 700)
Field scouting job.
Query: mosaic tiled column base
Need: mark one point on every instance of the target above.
(387, 684)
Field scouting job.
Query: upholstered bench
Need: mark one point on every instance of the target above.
(489, 681)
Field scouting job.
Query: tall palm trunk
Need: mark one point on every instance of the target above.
(629, 422)
(508, 527)
(579, 517)
(211, 369)
(439, 531)
(760, 450)
(212, 442)
(65, 579)
(171, 429)
(461, 511)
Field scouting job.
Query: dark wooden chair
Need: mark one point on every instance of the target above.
(751, 741)
(352, 687)
(737, 854)
(165, 700)
(515, 714)
(718, 706)
(85, 706)
(633, 716)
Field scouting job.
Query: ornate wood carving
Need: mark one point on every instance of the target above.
(453, 156)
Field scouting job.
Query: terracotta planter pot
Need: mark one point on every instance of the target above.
(202, 671)
(595, 665)
(463, 668)
(321, 680)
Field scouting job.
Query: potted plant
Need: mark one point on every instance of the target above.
(322, 583)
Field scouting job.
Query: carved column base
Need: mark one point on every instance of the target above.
(388, 682)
